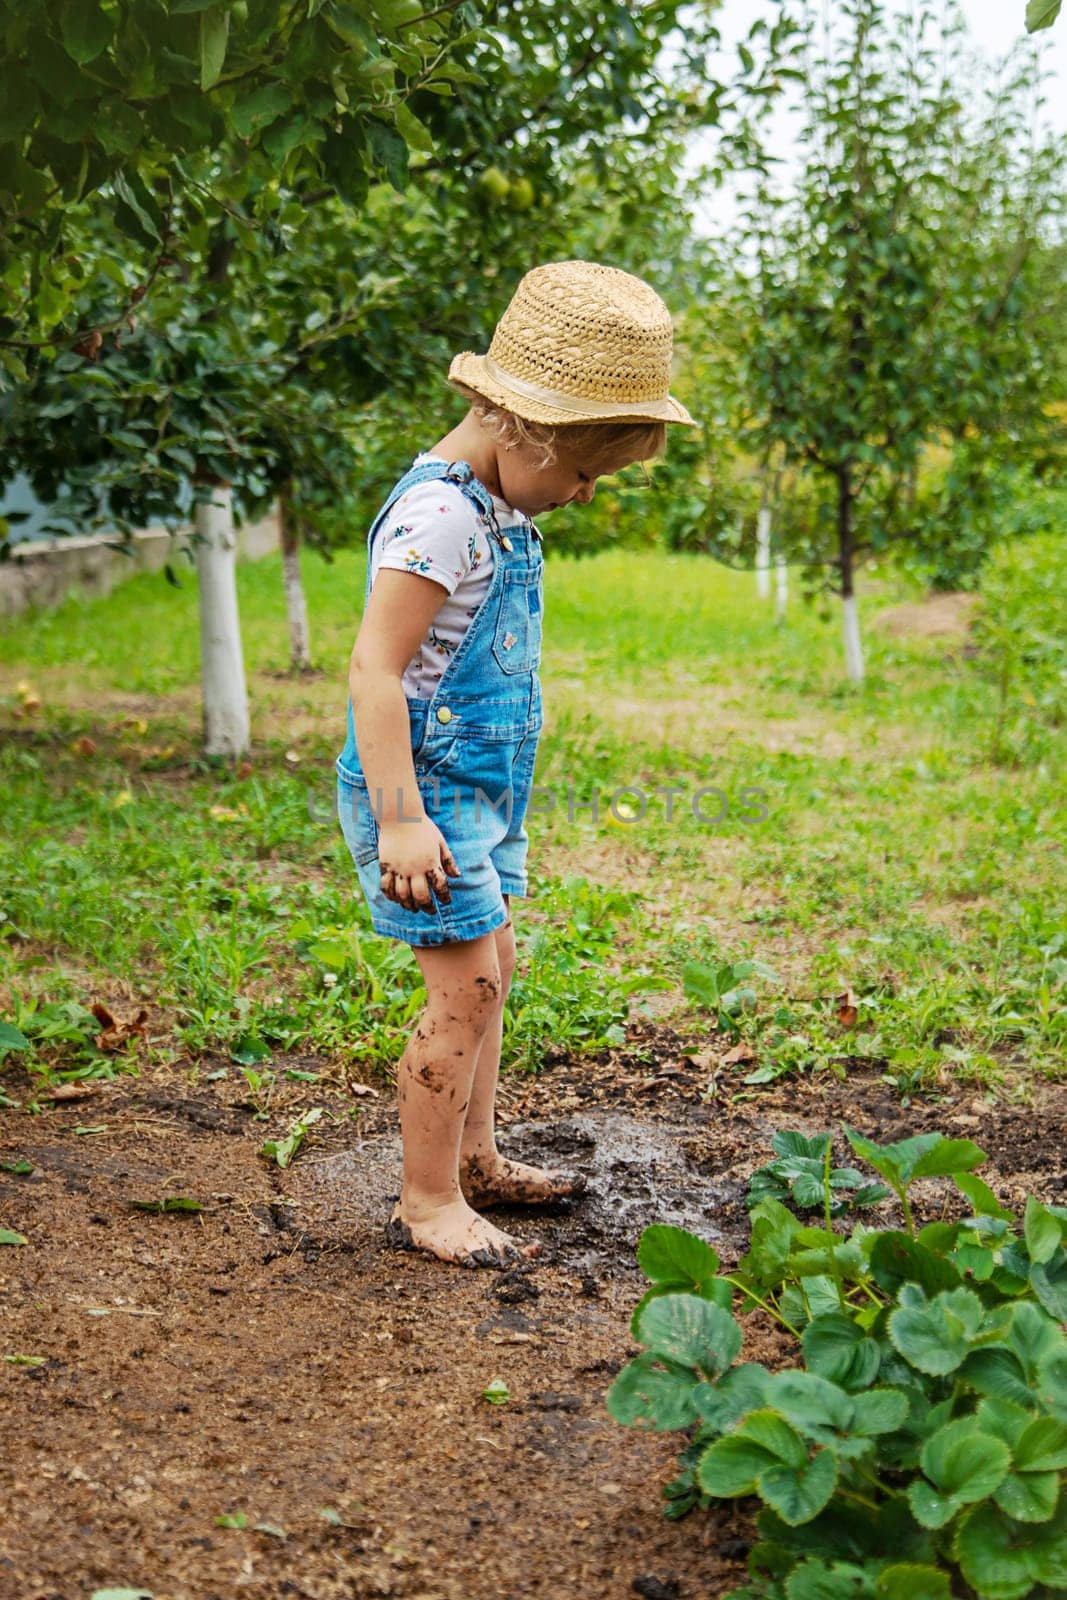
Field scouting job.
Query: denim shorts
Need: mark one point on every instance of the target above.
(477, 793)
(473, 743)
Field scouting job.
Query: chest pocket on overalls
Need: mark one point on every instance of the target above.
(517, 640)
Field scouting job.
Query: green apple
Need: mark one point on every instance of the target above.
(494, 185)
(522, 195)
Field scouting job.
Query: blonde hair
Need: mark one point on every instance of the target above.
(595, 441)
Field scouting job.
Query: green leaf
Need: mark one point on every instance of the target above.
(1034, 1337)
(929, 1507)
(731, 1397)
(1041, 14)
(718, 1291)
(249, 1050)
(962, 1461)
(936, 1337)
(173, 1202)
(1029, 1496)
(1049, 1283)
(140, 216)
(672, 1255)
(897, 1259)
(1051, 1384)
(907, 1581)
(11, 1039)
(818, 1408)
(827, 1580)
(879, 1411)
(646, 1396)
(1048, 1551)
(1042, 1230)
(1042, 1447)
(698, 983)
(85, 29)
(730, 1467)
(389, 152)
(773, 1434)
(283, 1150)
(214, 32)
(789, 1143)
(414, 133)
(981, 1196)
(1002, 1559)
(798, 1494)
(690, 1331)
(1004, 1419)
(7, 1236)
(260, 108)
(21, 1166)
(836, 1348)
(947, 1156)
(894, 1162)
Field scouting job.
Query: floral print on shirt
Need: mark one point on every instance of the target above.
(450, 543)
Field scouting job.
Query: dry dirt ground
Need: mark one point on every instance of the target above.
(271, 1357)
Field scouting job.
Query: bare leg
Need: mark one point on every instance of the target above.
(486, 1175)
(435, 1075)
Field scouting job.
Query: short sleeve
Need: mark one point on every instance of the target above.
(429, 531)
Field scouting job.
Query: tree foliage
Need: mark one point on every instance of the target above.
(905, 301)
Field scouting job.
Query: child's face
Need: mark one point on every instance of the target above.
(571, 476)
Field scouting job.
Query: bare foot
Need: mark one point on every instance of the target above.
(457, 1234)
(488, 1179)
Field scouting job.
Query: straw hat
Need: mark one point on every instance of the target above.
(579, 343)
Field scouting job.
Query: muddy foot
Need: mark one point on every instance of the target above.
(505, 1182)
(460, 1236)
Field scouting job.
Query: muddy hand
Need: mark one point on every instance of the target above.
(414, 861)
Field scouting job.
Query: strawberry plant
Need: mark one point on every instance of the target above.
(918, 1451)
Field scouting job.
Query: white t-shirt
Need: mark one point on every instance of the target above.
(435, 531)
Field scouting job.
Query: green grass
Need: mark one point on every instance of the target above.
(909, 851)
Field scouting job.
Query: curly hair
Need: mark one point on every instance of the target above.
(596, 441)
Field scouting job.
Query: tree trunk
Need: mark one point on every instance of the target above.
(225, 697)
(295, 603)
(850, 615)
(781, 588)
(763, 543)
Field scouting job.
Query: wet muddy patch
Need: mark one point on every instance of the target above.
(638, 1170)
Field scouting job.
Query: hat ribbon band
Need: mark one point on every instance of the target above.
(568, 402)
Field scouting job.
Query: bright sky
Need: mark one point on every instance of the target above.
(995, 27)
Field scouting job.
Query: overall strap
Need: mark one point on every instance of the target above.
(458, 472)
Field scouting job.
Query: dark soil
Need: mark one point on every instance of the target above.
(271, 1357)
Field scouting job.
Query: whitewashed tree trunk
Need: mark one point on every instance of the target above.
(853, 647)
(225, 696)
(781, 588)
(763, 550)
(295, 603)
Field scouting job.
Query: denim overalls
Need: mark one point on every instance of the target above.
(473, 743)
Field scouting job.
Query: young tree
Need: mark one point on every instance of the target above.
(900, 297)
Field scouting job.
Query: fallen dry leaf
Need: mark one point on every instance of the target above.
(84, 746)
(740, 1053)
(116, 1033)
(71, 1091)
(847, 1009)
(363, 1089)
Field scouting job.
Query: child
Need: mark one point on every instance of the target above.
(445, 708)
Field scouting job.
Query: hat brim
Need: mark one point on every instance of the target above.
(469, 368)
